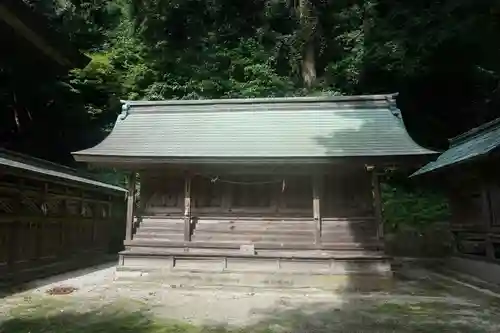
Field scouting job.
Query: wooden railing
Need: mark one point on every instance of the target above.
(51, 218)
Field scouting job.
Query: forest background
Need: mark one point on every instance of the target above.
(441, 56)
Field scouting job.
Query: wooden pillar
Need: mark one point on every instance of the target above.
(187, 209)
(317, 208)
(487, 217)
(377, 205)
(42, 224)
(65, 212)
(130, 206)
(14, 239)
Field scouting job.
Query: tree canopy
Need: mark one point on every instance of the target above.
(442, 56)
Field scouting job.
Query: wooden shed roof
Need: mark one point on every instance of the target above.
(473, 144)
(17, 18)
(23, 164)
(309, 128)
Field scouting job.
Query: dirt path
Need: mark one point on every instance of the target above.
(417, 304)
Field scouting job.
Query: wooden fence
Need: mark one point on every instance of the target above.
(53, 219)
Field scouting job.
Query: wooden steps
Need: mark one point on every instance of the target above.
(348, 248)
(164, 229)
(253, 237)
(254, 230)
(261, 245)
(338, 234)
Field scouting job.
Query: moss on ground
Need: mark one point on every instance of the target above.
(54, 315)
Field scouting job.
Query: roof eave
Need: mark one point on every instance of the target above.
(20, 164)
(126, 161)
(440, 169)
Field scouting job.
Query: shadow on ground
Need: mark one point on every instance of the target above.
(369, 316)
(7, 290)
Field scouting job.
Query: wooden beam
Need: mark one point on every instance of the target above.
(377, 204)
(187, 209)
(130, 206)
(317, 208)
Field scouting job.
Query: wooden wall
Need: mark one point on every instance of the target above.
(273, 210)
(55, 223)
(475, 207)
(342, 195)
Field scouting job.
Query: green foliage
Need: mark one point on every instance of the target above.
(415, 207)
(173, 49)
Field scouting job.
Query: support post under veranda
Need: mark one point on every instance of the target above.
(187, 209)
(130, 205)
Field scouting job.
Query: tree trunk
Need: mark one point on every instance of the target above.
(308, 65)
(308, 28)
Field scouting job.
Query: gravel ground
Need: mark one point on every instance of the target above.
(419, 302)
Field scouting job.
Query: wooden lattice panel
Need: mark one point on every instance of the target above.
(87, 209)
(54, 206)
(31, 205)
(6, 205)
(73, 207)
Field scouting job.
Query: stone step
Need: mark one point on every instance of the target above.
(304, 254)
(257, 280)
(187, 270)
(318, 254)
(154, 259)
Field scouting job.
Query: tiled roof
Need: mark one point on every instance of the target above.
(477, 142)
(258, 128)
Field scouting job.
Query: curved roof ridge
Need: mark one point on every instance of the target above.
(267, 100)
